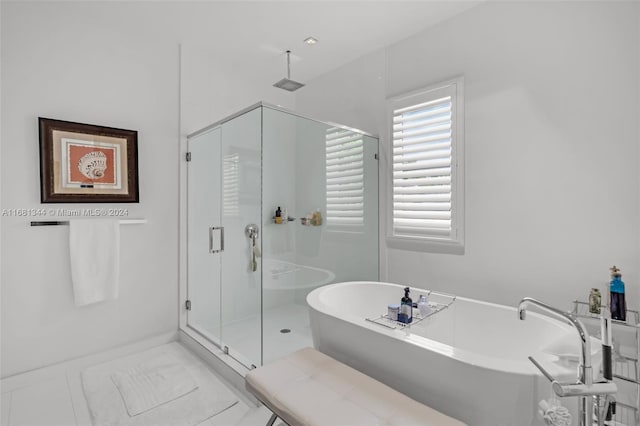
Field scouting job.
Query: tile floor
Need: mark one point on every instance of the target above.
(243, 336)
(53, 396)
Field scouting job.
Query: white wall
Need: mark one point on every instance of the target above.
(551, 144)
(71, 62)
(532, 75)
(115, 64)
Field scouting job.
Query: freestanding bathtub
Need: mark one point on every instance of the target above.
(468, 361)
(281, 275)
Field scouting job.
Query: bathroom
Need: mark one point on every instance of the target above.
(551, 138)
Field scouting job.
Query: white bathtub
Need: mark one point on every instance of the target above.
(281, 275)
(468, 361)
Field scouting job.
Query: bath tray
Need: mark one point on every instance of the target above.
(445, 301)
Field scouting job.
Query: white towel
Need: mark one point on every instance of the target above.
(153, 383)
(94, 246)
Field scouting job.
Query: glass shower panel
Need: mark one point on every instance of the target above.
(241, 263)
(326, 179)
(285, 321)
(337, 174)
(248, 289)
(203, 264)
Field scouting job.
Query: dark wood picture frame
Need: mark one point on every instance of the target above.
(86, 163)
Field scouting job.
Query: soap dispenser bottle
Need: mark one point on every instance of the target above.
(617, 302)
(406, 308)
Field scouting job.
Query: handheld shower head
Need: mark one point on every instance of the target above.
(287, 83)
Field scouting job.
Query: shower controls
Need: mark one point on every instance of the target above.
(252, 231)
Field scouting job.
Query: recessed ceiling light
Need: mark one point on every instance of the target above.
(310, 40)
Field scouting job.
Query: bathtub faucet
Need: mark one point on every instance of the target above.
(585, 360)
(585, 389)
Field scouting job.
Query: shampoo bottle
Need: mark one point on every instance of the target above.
(406, 308)
(617, 303)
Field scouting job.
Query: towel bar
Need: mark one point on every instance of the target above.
(66, 222)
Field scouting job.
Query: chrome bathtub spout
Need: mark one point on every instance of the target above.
(585, 360)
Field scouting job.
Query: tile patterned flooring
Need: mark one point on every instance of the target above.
(53, 396)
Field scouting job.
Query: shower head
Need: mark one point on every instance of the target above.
(287, 83)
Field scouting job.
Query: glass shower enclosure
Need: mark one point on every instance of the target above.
(277, 205)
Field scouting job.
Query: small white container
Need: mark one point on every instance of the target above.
(392, 311)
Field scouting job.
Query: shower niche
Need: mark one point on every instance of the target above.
(247, 290)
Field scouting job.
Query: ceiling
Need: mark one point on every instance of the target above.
(256, 34)
(252, 36)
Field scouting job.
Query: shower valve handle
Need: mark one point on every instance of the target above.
(251, 231)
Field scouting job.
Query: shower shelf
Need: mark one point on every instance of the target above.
(626, 366)
(436, 307)
(289, 219)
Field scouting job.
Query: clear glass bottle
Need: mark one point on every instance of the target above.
(423, 306)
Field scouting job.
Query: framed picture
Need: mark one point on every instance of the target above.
(84, 163)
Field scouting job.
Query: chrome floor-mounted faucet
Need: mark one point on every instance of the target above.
(584, 389)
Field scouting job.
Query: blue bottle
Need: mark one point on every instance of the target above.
(616, 289)
(406, 308)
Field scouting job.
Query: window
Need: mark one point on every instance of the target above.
(231, 184)
(427, 169)
(345, 179)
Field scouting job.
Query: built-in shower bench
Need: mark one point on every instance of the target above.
(308, 387)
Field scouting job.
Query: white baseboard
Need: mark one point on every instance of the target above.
(37, 375)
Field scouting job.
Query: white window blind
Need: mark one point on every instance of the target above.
(424, 186)
(345, 178)
(231, 185)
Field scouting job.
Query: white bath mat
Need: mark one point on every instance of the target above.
(152, 383)
(162, 386)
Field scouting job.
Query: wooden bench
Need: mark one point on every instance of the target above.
(308, 387)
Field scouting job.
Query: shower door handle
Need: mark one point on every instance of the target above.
(211, 229)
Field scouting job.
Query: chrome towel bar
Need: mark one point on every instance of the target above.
(66, 222)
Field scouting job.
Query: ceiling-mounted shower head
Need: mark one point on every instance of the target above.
(287, 83)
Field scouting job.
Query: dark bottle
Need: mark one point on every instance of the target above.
(278, 216)
(406, 308)
(616, 292)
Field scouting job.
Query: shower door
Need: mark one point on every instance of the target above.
(204, 236)
(223, 282)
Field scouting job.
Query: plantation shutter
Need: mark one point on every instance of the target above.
(345, 177)
(231, 185)
(422, 168)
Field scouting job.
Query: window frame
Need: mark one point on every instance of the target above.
(453, 244)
